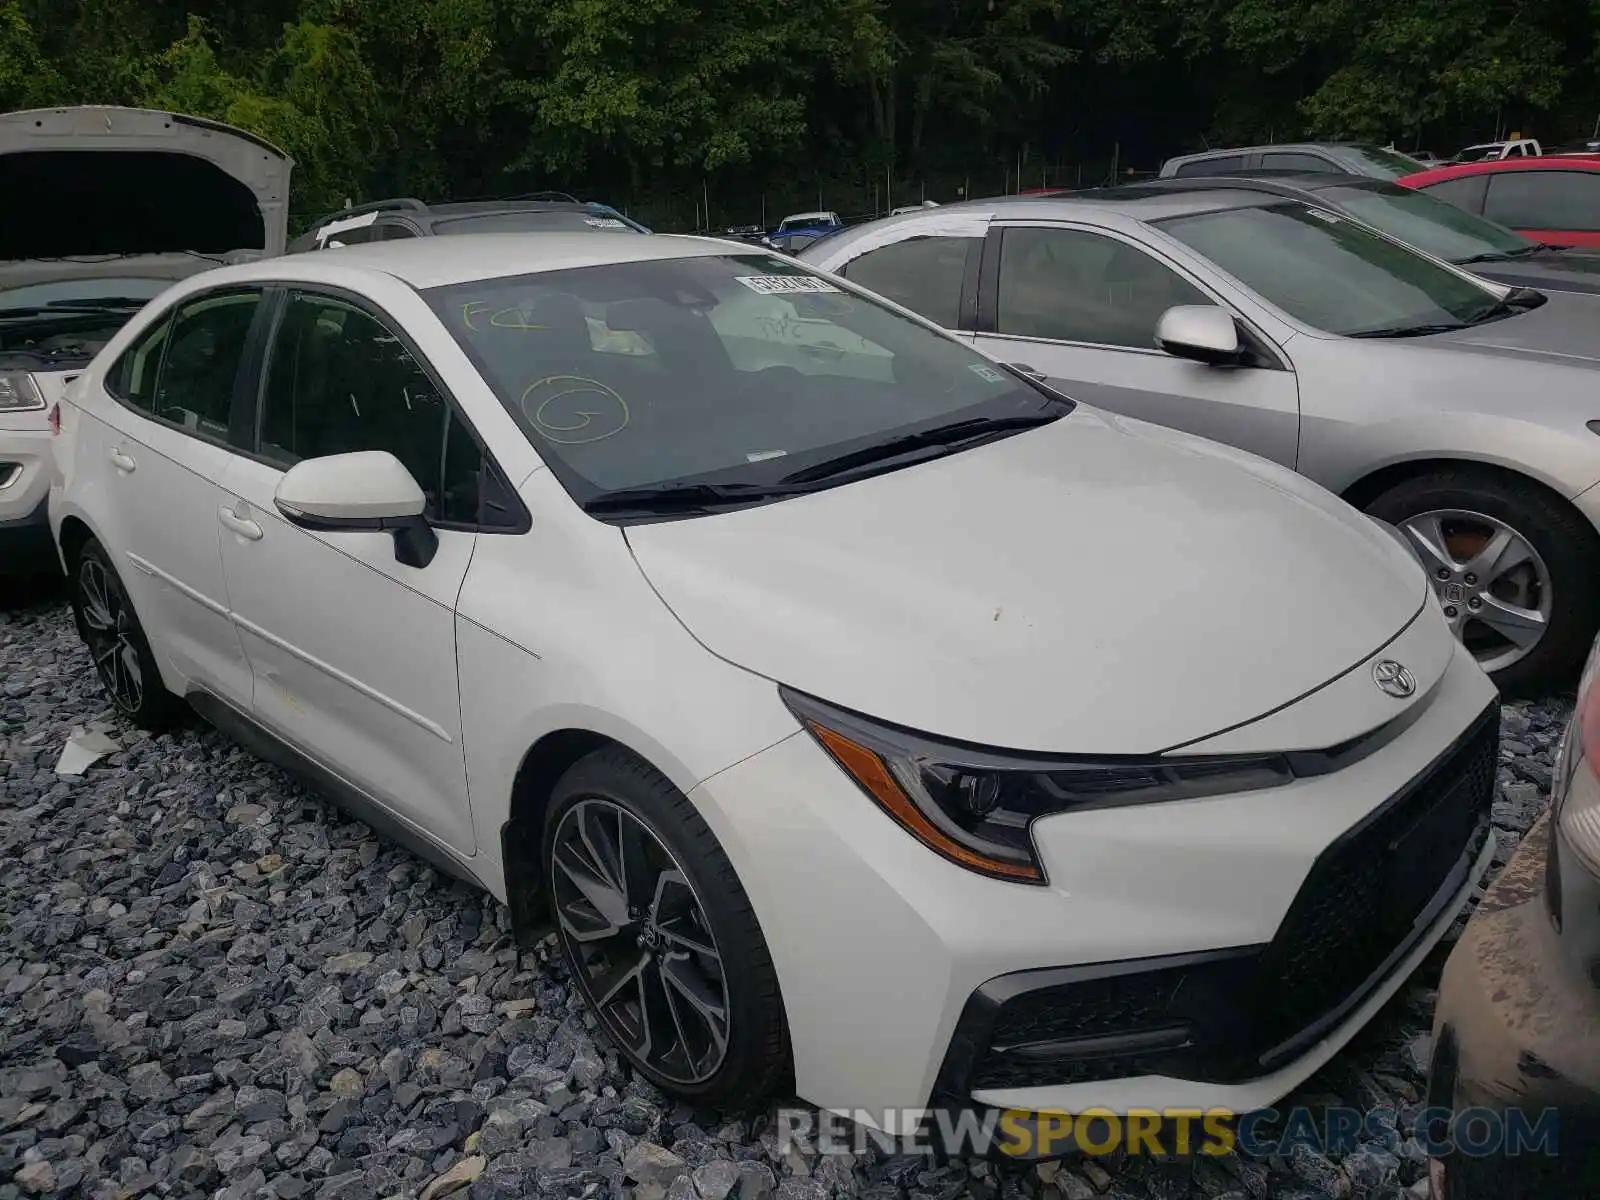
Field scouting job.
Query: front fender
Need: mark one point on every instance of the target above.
(1568, 463)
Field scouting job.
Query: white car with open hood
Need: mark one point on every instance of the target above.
(102, 208)
(867, 715)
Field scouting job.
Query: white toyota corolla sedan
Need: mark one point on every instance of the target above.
(865, 715)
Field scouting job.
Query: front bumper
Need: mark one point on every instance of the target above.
(1517, 1034)
(26, 468)
(862, 920)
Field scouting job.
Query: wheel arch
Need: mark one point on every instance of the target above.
(74, 534)
(541, 767)
(1364, 490)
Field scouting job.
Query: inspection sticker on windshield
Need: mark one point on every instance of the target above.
(777, 285)
(987, 374)
(604, 222)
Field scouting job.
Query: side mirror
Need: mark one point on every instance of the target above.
(1030, 372)
(1203, 332)
(366, 491)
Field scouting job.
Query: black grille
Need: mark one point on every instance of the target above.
(1237, 1015)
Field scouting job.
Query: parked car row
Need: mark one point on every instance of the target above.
(1553, 199)
(1052, 630)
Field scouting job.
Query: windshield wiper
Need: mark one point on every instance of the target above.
(1499, 255)
(686, 497)
(940, 437)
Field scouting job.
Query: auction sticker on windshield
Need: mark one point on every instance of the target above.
(773, 285)
(987, 374)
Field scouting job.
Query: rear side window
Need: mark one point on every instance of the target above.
(339, 381)
(1287, 160)
(923, 274)
(1212, 166)
(133, 379)
(201, 363)
(184, 371)
(1545, 199)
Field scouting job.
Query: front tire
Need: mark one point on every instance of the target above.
(117, 644)
(1516, 568)
(659, 934)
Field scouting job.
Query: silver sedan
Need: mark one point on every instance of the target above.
(1464, 412)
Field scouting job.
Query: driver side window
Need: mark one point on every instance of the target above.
(1073, 286)
(339, 381)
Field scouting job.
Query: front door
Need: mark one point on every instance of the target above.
(354, 653)
(1081, 308)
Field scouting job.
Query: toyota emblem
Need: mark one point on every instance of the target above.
(1393, 679)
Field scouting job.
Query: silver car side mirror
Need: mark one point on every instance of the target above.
(1202, 332)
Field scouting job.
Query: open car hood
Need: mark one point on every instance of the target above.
(100, 180)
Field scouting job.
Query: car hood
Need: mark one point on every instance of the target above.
(101, 180)
(1562, 330)
(1096, 585)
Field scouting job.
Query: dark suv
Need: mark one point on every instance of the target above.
(1337, 158)
(403, 217)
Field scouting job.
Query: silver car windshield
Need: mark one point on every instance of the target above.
(1334, 273)
(736, 370)
(1434, 226)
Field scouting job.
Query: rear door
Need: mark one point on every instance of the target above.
(159, 446)
(1080, 305)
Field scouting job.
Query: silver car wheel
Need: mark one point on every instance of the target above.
(637, 932)
(1492, 583)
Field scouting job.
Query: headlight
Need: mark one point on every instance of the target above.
(975, 806)
(18, 393)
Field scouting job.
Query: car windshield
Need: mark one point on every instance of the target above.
(1332, 273)
(1479, 153)
(87, 291)
(522, 220)
(729, 370)
(1391, 164)
(1430, 225)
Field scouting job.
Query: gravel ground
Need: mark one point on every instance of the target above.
(213, 983)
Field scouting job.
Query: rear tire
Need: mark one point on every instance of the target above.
(1562, 574)
(677, 942)
(117, 645)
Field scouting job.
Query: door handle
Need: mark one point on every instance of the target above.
(243, 526)
(121, 461)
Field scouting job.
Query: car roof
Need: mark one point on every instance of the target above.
(439, 262)
(1225, 151)
(1268, 183)
(1132, 200)
(466, 208)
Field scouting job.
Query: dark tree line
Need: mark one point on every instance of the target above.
(674, 107)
